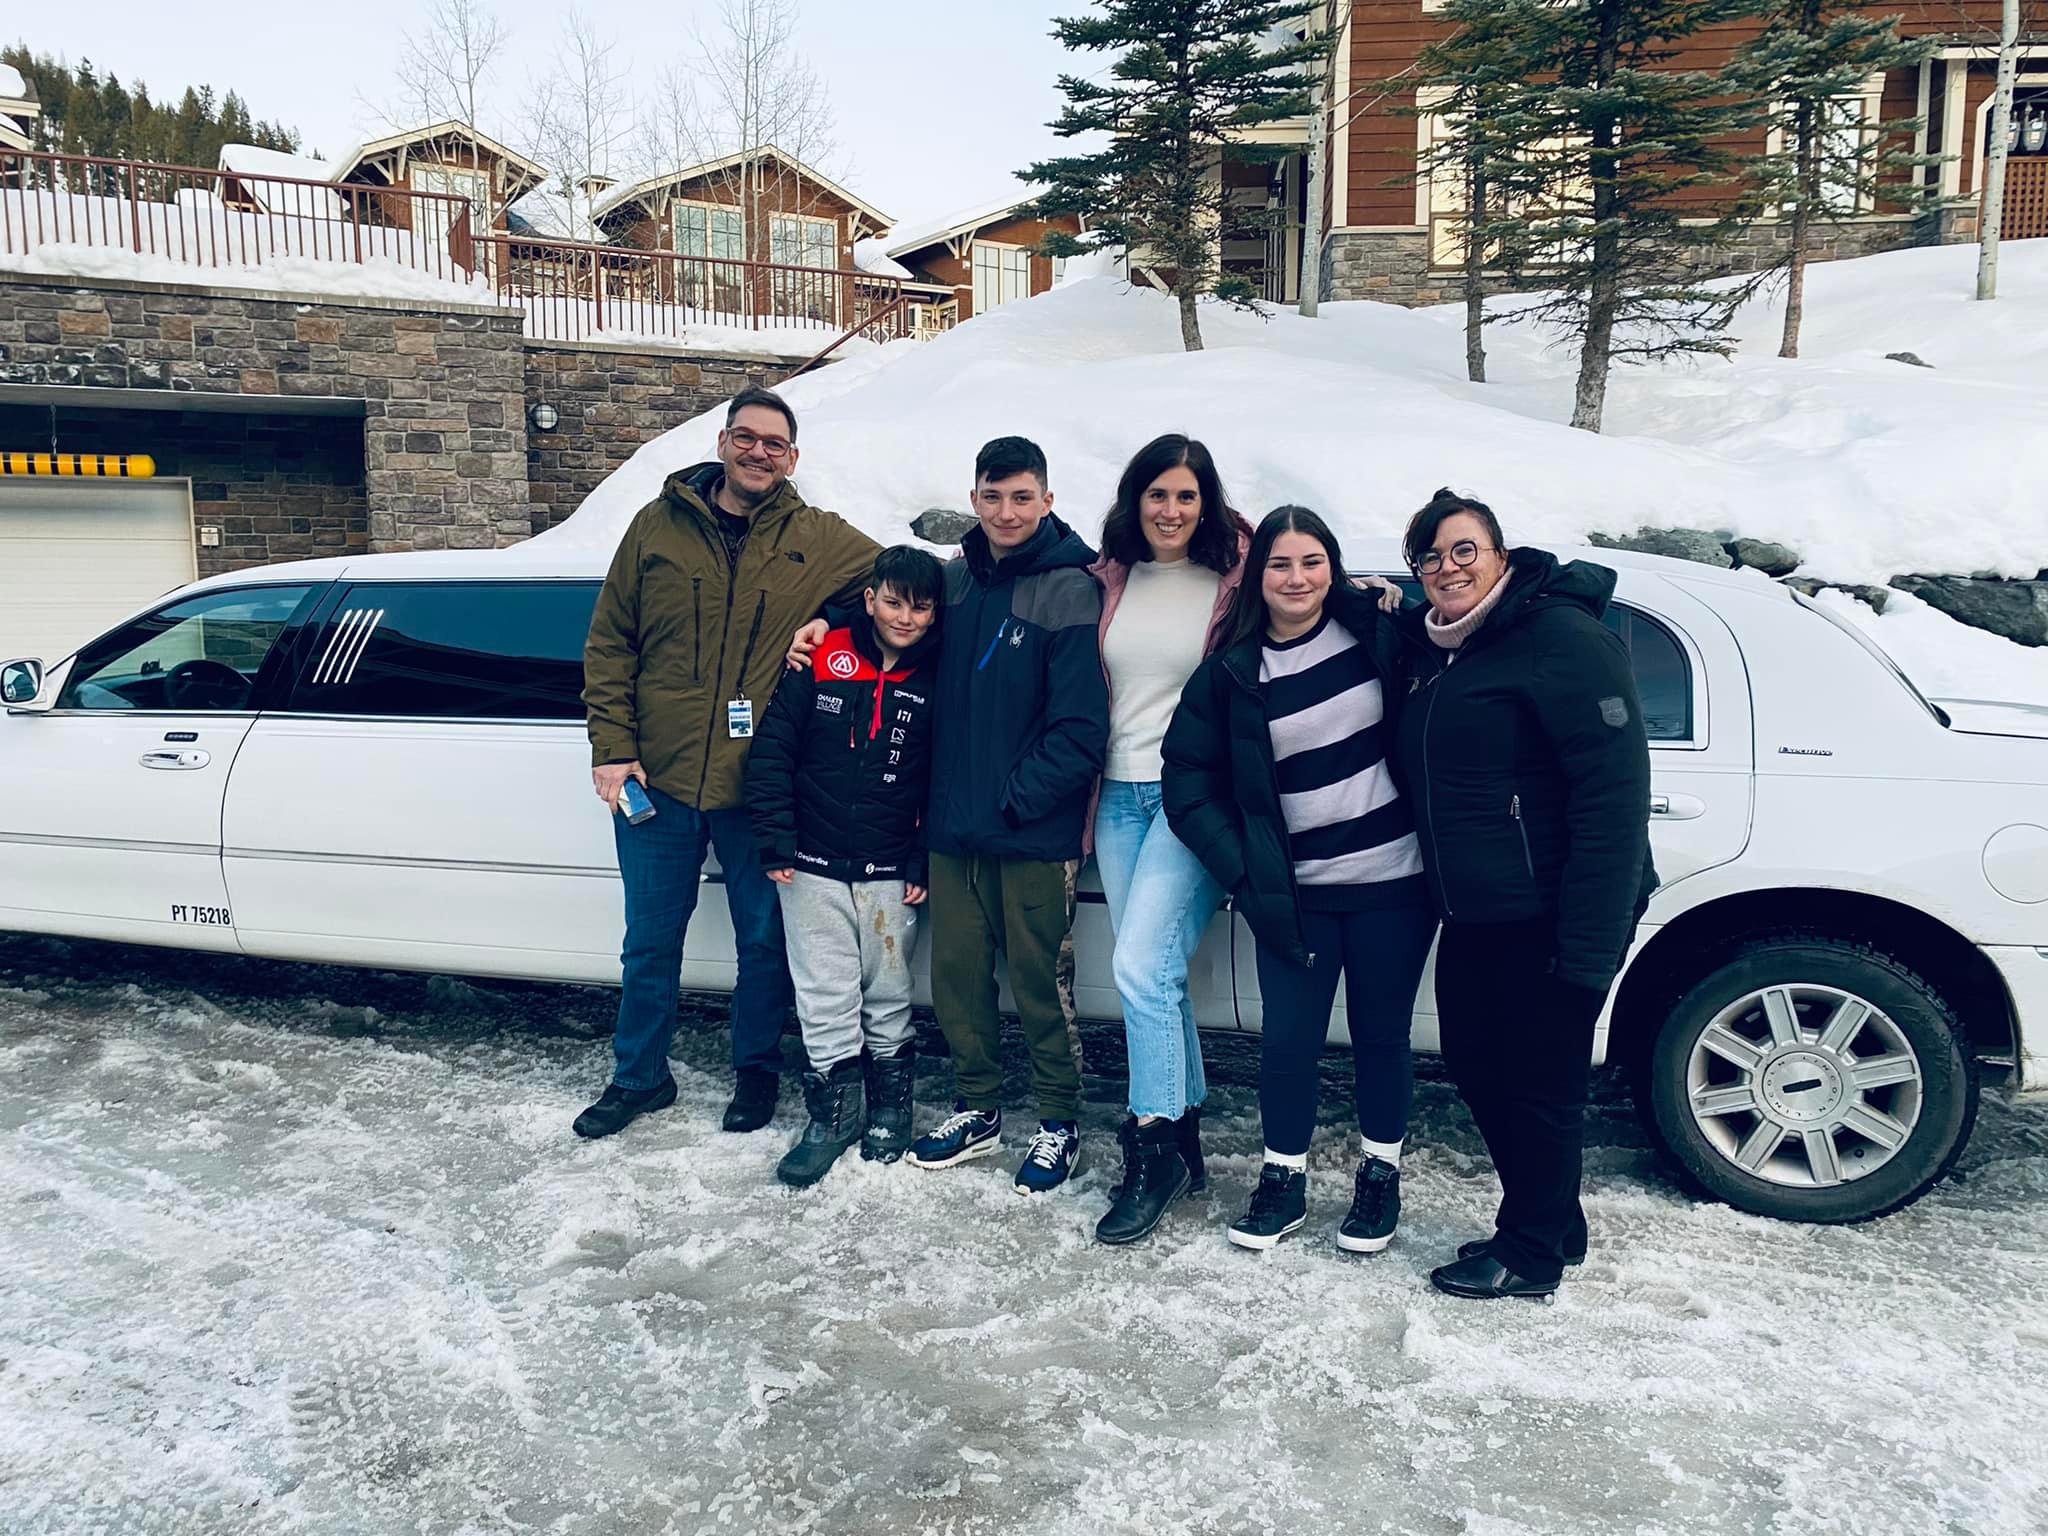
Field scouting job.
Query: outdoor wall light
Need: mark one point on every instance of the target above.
(544, 417)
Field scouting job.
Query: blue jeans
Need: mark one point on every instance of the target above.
(1160, 902)
(662, 864)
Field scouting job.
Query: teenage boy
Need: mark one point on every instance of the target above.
(1023, 724)
(836, 787)
(680, 658)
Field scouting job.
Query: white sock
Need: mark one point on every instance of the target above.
(1294, 1160)
(1385, 1151)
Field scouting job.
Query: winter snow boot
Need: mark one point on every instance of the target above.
(891, 1084)
(839, 1113)
(1375, 1208)
(1484, 1278)
(1279, 1206)
(619, 1107)
(1190, 1126)
(753, 1099)
(1155, 1175)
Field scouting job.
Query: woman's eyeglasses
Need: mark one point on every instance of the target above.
(1460, 554)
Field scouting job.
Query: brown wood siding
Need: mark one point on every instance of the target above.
(1388, 35)
(783, 191)
(936, 264)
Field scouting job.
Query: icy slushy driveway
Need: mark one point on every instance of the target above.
(295, 1249)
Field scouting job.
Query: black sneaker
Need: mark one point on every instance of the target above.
(1279, 1206)
(1375, 1208)
(619, 1107)
(1054, 1154)
(753, 1099)
(961, 1137)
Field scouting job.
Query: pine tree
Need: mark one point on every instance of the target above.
(1189, 78)
(1640, 184)
(1463, 82)
(1806, 70)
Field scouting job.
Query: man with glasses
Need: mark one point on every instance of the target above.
(684, 652)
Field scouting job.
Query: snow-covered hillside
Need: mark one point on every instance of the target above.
(1870, 468)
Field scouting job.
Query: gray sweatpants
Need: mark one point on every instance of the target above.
(849, 955)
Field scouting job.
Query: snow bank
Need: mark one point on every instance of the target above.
(678, 327)
(375, 277)
(1871, 468)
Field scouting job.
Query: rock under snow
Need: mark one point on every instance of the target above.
(1694, 544)
(2017, 610)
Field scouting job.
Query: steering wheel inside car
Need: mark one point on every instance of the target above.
(201, 684)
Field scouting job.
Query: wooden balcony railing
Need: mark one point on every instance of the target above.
(190, 217)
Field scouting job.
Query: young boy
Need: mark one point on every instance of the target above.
(1022, 730)
(836, 788)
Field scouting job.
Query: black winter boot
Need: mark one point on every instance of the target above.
(1155, 1175)
(619, 1107)
(838, 1116)
(1190, 1124)
(753, 1099)
(892, 1081)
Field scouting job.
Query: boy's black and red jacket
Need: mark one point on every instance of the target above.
(841, 763)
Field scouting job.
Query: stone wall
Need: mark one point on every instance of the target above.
(610, 400)
(1393, 265)
(443, 435)
(277, 487)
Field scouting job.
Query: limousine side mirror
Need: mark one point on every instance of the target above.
(20, 682)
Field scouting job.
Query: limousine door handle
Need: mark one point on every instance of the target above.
(190, 757)
(1677, 807)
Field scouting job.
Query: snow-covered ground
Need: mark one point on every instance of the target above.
(293, 1249)
(1870, 468)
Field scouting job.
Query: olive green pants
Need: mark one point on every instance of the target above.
(1023, 908)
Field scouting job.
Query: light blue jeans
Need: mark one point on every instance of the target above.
(1160, 902)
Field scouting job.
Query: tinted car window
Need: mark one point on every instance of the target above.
(197, 655)
(493, 650)
(1663, 676)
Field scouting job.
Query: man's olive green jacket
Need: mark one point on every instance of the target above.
(680, 630)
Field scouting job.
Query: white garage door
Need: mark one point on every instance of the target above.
(78, 556)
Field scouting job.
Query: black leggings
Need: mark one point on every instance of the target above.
(1381, 954)
(1519, 1045)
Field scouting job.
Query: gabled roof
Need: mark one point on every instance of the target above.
(965, 222)
(452, 128)
(637, 191)
(14, 88)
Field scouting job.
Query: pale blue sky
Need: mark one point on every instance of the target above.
(937, 104)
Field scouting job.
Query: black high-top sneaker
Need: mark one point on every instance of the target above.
(1375, 1208)
(1190, 1127)
(892, 1082)
(1154, 1177)
(839, 1115)
(1279, 1206)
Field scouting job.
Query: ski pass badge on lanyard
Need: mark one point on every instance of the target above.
(739, 718)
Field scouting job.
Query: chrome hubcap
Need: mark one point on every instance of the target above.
(1804, 1085)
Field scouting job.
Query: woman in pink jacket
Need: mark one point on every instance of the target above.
(1172, 558)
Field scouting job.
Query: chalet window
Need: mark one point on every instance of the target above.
(706, 229)
(433, 219)
(1001, 273)
(794, 241)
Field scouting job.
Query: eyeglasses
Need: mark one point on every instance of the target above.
(1462, 554)
(746, 442)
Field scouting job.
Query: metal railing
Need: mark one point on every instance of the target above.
(578, 291)
(186, 216)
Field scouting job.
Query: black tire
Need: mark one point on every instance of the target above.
(1947, 1107)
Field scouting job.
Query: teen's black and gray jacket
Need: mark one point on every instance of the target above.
(1525, 755)
(1221, 782)
(840, 765)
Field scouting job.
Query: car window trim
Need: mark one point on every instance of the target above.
(286, 638)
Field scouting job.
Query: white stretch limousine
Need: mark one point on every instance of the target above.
(381, 761)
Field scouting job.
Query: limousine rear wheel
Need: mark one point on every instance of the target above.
(1812, 1079)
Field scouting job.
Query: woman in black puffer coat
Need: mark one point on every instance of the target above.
(1521, 744)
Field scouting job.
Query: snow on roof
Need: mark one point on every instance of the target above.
(451, 128)
(253, 160)
(869, 256)
(904, 242)
(12, 86)
(548, 213)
